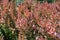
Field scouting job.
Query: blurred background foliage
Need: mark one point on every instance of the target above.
(21, 1)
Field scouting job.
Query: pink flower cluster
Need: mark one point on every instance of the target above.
(45, 15)
(31, 13)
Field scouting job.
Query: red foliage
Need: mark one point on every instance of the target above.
(45, 15)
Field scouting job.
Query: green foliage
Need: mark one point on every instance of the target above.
(8, 34)
(19, 1)
(49, 1)
(31, 34)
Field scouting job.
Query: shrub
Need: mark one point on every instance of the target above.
(30, 20)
